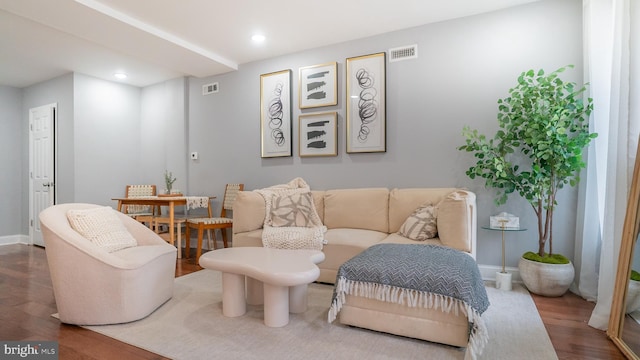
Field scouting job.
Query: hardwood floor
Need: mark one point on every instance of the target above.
(27, 302)
(565, 319)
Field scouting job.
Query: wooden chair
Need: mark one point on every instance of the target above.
(213, 223)
(142, 213)
(178, 222)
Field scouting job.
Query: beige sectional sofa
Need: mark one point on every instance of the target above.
(359, 218)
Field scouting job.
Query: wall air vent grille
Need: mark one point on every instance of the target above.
(403, 53)
(210, 88)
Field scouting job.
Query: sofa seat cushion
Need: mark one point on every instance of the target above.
(359, 238)
(248, 238)
(138, 256)
(343, 244)
(396, 238)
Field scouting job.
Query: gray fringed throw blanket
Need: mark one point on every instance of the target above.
(428, 276)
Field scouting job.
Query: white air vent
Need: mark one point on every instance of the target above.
(210, 88)
(403, 53)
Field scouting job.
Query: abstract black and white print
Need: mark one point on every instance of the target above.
(318, 86)
(366, 103)
(275, 114)
(318, 134)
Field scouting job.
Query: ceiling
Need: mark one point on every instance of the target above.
(156, 40)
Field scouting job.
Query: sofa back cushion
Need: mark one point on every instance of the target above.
(457, 220)
(403, 202)
(249, 210)
(318, 201)
(365, 208)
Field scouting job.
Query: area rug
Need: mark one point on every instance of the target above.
(191, 326)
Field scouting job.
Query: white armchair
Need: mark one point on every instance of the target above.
(94, 287)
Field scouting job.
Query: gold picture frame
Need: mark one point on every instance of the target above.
(623, 328)
(275, 114)
(366, 104)
(318, 134)
(318, 85)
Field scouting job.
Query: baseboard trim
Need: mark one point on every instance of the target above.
(14, 239)
(488, 272)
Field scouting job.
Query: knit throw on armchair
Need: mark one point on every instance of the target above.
(291, 220)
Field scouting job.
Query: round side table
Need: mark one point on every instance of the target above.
(503, 278)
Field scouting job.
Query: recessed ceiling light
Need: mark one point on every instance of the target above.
(258, 38)
(120, 75)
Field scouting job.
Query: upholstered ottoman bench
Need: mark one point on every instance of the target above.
(427, 292)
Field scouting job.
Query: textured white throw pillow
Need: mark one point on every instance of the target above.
(292, 210)
(421, 224)
(102, 227)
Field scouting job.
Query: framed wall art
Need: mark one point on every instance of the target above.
(366, 104)
(318, 134)
(318, 86)
(275, 114)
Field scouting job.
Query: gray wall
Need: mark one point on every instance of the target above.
(11, 185)
(164, 133)
(106, 139)
(112, 134)
(464, 66)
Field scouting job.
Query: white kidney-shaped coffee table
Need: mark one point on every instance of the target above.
(277, 278)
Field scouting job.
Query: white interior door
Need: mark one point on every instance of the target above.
(42, 183)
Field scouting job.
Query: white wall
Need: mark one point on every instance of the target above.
(464, 66)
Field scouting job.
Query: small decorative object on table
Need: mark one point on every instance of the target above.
(168, 181)
(504, 222)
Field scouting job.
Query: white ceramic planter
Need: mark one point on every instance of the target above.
(546, 279)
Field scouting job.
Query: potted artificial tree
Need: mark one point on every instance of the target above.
(543, 129)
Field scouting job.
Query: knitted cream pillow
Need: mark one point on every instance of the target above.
(421, 224)
(102, 227)
(292, 210)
